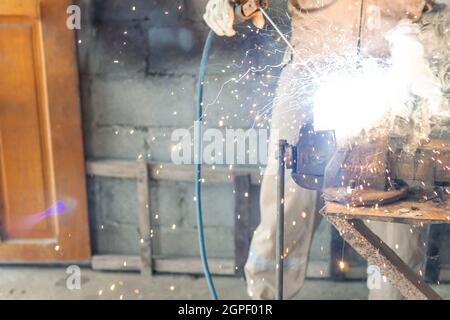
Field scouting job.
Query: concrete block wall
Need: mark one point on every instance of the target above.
(138, 62)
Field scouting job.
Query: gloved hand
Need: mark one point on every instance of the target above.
(220, 17)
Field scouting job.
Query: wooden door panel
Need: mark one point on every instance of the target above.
(25, 190)
(24, 8)
(41, 155)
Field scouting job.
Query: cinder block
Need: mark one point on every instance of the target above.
(236, 105)
(173, 203)
(113, 215)
(115, 200)
(157, 11)
(182, 242)
(177, 49)
(151, 102)
(159, 144)
(120, 49)
(115, 239)
(195, 9)
(174, 50)
(115, 142)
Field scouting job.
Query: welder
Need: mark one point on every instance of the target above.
(322, 31)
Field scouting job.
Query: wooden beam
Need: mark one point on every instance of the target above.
(409, 212)
(242, 232)
(221, 174)
(180, 265)
(116, 262)
(112, 168)
(144, 219)
(242, 178)
(377, 253)
(170, 172)
(132, 170)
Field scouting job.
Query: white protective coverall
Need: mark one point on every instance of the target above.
(322, 29)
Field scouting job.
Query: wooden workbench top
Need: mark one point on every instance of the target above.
(407, 211)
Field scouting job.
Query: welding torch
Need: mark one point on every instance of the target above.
(245, 9)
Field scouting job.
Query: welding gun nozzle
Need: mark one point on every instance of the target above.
(245, 9)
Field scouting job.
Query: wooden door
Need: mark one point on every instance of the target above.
(43, 216)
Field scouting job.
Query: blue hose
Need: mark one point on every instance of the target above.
(198, 165)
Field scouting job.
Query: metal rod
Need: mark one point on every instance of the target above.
(280, 219)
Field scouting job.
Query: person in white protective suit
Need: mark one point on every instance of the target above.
(320, 29)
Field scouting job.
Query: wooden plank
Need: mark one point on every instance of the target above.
(425, 212)
(116, 262)
(180, 265)
(113, 168)
(139, 171)
(316, 269)
(144, 219)
(194, 266)
(242, 178)
(242, 233)
(169, 171)
(221, 174)
(377, 253)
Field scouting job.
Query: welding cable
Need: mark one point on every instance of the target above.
(198, 165)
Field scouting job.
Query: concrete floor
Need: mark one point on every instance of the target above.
(50, 283)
